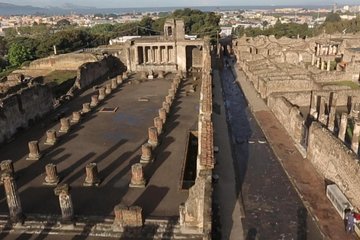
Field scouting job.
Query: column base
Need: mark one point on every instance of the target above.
(146, 160)
(34, 158)
(137, 185)
(153, 144)
(95, 183)
(75, 121)
(64, 130)
(50, 143)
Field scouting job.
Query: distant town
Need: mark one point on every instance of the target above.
(230, 19)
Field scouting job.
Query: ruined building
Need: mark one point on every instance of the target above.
(129, 155)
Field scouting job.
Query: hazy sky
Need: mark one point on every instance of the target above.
(171, 3)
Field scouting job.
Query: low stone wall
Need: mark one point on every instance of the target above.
(89, 72)
(334, 161)
(70, 61)
(22, 108)
(333, 76)
(268, 87)
(288, 115)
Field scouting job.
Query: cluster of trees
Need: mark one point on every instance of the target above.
(28, 43)
(333, 24)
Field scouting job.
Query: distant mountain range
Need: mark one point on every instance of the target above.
(12, 9)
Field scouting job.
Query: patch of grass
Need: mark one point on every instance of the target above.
(351, 84)
(59, 76)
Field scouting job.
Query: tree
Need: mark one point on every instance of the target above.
(333, 17)
(18, 54)
(3, 48)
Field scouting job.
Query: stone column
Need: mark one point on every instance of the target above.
(86, 108)
(355, 111)
(50, 137)
(168, 99)
(146, 154)
(66, 205)
(152, 54)
(355, 137)
(7, 166)
(162, 115)
(12, 197)
(108, 89)
(144, 55)
(322, 64)
(34, 151)
(343, 126)
(313, 59)
(64, 125)
(51, 177)
(166, 106)
(76, 116)
(167, 54)
(119, 79)
(94, 101)
(102, 93)
(153, 137)
(137, 176)
(159, 55)
(331, 119)
(114, 84)
(321, 110)
(158, 123)
(317, 49)
(136, 55)
(172, 93)
(313, 105)
(328, 65)
(92, 178)
(318, 63)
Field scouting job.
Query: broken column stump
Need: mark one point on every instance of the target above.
(52, 177)
(92, 178)
(137, 176)
(7, 166)
(102, 93)
(146, 154)
(86, 108)
(158, 123)
(108, 89)
(34, 151)
(51, 138)
(153, 136)
(94, 101)
(114, 84)
(65, 201)
(64, 125)
(119, 79)
(162, 114)
(127, 217)
(76, 116)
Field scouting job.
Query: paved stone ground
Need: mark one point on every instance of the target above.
(226, 193)
(303, 176)
(113, 140)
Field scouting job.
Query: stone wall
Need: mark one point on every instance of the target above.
(70, 61)
(334, 161)
(89, 72)
(288, 115)
(284, 86)
(19, 110)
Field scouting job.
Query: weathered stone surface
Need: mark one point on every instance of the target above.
(65, 201)
(51, 138)
(76, 116)
(64, 125)
(86, 108)
(137, 176)
(52, 177)
(343, 126)
(114, 83)
(94, 101)
(158, 123)
(143, 75)
(146, 154)
(7, 166)
(161, 74)
(119, 79)
(125, 75)
(108, 89)
(92, 178)
(102, 93)
(153, 137)
(12, 197)
(127, 217)
(34, 151)
(166, 106)
(162, 114)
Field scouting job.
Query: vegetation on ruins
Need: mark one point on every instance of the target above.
(27, 43)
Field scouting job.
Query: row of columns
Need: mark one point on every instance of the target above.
(320, 63)
(326, 114)
(7, 177)
(326, 50)
(154, 132)
(155, 54)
